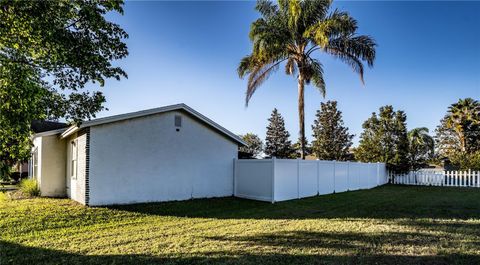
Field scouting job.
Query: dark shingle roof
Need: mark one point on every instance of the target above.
(43, 126)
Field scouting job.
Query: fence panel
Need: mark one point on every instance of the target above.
(253, 179)
(286, 179)
(307, 184)
(354, 176)
(341, 176)
(326, 177)
(438, 178)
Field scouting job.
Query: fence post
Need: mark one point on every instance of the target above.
(469, 177)
(273, 179)
(318, 177)
(348, 176)
(235, 177)
(378, 173)
(478, 179)
(298, 178)
(334, 177)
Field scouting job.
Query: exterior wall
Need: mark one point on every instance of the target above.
(146, 159)
(76, 183)
(50, 165)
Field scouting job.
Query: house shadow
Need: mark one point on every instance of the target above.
(14, 254)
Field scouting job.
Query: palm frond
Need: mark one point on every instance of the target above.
(266, 8)
(245, 66)
(361, 47)
(338, 24)
(294, 13)
(258, 75)
(314, 11)
(314, 74)
(291, 67)
(351, 60)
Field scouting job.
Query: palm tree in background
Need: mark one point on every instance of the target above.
(292, 32)
(462, 117)
(421, 147)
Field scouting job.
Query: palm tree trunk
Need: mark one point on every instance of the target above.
(301, 114)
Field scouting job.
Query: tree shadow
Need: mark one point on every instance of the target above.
(386, 202)
(338, 241)
(18, 254)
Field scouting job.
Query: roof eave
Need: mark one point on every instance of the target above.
(72, 129)
(48, 133)
(137, 114)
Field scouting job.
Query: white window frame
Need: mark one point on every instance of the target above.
(35, 163)
(74, 159)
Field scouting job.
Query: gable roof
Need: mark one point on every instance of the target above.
(44, 126)
(138, 114)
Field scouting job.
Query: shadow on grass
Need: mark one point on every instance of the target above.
(17, 254)
(339, 241)
(386, 202)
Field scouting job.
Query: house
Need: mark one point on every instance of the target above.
(162, 154)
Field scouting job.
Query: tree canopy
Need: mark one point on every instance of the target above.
(384, 139)
(331, 138)
(49, 51)
(254, 145)
(458, 135)
(277, 142)
(421, 147)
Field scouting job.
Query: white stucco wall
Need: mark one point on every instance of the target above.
(75, 186)
(146, 159)
(51, 165)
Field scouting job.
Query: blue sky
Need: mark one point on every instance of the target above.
(428, 57)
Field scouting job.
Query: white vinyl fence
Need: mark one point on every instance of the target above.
(438, 178)
(285, 179)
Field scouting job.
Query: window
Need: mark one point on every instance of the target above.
(74, 155)
(35, 163)
(178, 121)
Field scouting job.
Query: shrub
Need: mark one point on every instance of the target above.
(30, 187)
(466, 161)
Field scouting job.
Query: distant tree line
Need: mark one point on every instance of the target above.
(384, 138)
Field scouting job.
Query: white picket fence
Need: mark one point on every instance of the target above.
(438, 178)
(276, 180)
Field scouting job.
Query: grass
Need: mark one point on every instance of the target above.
(385, 225)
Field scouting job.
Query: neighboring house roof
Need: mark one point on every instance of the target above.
(132, 115)
(44, 126)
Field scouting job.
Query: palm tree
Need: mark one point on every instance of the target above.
(291, 32)
(421, 147)
(461, 117)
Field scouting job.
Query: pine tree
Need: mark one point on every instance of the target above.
(331, 138)
(277, 143)
(297, 148)
(384, 139)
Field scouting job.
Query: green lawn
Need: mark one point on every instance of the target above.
(386, 225)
